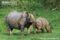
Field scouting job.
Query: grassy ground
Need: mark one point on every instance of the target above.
(52, 16)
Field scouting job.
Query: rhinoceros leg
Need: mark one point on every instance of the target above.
(35, 28)
(10, 31)
(42, 29)
(48, 29)
(22, 29)
(29, 28)
(10, 28)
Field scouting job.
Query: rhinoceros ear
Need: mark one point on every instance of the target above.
(32, 17)
(27, 14)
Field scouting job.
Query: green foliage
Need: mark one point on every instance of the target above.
(51, 4)
(29, 5)
(36, 6)
(32, 5)
(52, 16)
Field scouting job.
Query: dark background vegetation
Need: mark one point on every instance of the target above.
(32, 5)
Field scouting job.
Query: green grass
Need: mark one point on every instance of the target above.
(52, 16)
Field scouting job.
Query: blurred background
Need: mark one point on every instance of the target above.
(50, 9)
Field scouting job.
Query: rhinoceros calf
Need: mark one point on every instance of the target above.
(19, 20)
(41, 24)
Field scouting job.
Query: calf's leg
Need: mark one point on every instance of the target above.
(48, 28)
(22, 29)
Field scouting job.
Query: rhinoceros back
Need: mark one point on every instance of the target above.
(12, 18)
(14, 15)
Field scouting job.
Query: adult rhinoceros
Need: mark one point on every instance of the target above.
(19, 20)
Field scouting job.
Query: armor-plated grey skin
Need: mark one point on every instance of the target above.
(19, 20)
(41, 24)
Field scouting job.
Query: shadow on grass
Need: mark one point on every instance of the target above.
(16, 34)
(33, 33)
(25, 34)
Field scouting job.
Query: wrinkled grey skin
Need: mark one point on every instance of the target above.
(18, 20)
